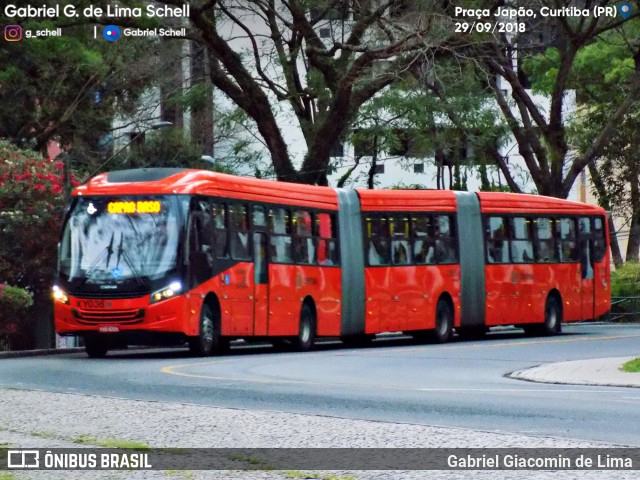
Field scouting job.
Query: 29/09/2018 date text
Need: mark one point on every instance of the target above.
(490, 27)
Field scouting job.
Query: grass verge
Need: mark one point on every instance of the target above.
(632, 366)
(110, 443)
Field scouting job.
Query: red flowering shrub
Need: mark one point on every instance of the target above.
(12, 301)
(31, 204)
(31, 198)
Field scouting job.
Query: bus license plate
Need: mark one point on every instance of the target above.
(109, 329)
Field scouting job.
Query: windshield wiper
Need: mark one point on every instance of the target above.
(123, 254)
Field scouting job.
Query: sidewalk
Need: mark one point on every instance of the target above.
(596, 371)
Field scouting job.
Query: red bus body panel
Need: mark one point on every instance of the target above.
(404, 298)
(247, 308)
(516, 293)
(396, 298)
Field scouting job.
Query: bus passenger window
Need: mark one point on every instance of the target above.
(445, 248)
(258, 217)
(568, 240)
(325, 231)
(546, 251)
(280, 242)
(281, 249)
(304, 250)
(378, 241)
(521, 243)
(239, 234)
(496, 240)
(400, 240)
(586, 241)
(599, 244)
(423, 239)
(220, 231)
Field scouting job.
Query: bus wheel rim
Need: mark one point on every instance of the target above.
(305, 334)
(207, 331)
(552, 317)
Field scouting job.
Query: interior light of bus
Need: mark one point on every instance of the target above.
(166, 292)
(59, 295)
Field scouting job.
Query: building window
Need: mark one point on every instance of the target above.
(418, 168)
(379, 168)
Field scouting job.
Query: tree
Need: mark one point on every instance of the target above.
(303, 58)
(438, 111)
(68, 88)
(31, 203)
(601, 73)
(542, 137)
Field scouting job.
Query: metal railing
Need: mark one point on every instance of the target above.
(625, 309)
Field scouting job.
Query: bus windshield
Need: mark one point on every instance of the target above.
(115, 241)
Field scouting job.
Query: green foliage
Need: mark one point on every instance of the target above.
(69, 87)
(165, 148)
(625, 281)
(31, 200)
(14, 298)
(443, 110)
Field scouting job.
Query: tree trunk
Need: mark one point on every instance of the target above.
(633, 247)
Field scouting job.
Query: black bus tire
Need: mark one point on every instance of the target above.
(304, 341)
(444, 322)
(202, 345)
(95, 346)
(552, 317)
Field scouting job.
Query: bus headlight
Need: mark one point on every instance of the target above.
(59, 295)
(167, 292)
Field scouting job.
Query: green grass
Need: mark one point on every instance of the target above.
(110, 443)
(46, 435)
(295, 474)
(186, 475)
(632, 366)
(7, 476)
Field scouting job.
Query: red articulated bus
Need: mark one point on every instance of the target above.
(161, 256)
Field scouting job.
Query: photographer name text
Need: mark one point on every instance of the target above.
(91, 11)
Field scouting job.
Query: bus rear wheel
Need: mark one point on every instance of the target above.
(552, 320)
(552, 317)
(95, 346)
(208, 341)
(304, 341)
(444, 322)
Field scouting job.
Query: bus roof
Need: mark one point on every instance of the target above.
(162, 181)
(499, 202)
(408, 200)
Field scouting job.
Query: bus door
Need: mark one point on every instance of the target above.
(261, 284)
(586, 269)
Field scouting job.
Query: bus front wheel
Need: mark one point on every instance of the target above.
(95, 346)
(208, 340)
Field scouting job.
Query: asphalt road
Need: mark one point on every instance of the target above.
(458, 384)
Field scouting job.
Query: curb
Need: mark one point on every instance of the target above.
(603, 372)
(38, 353)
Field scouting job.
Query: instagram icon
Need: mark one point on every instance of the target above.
(13, 33)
